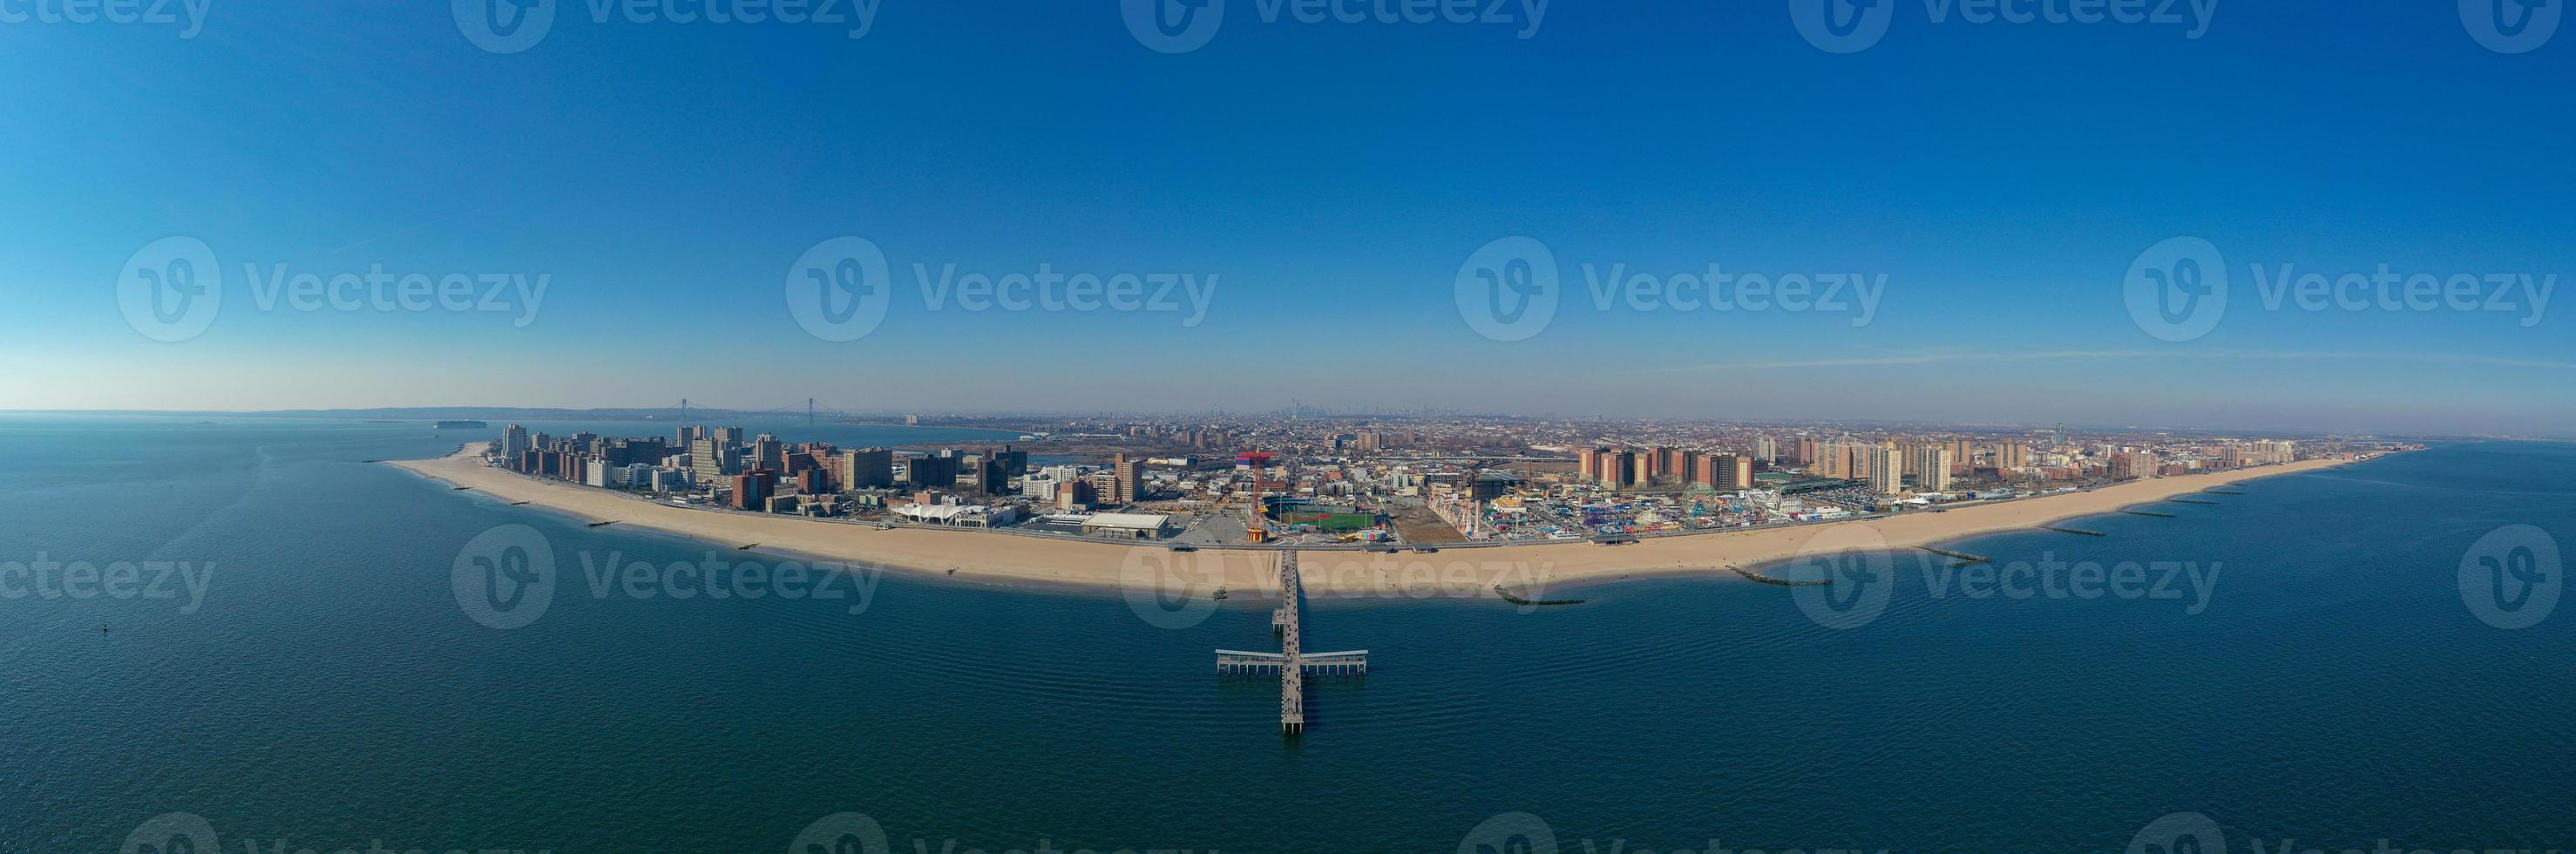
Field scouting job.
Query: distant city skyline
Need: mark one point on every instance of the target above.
(636, 238)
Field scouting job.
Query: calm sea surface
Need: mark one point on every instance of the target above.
(324, 686)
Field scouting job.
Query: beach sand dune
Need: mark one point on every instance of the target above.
(1529, 570)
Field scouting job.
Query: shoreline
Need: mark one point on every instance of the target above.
(1532, 569)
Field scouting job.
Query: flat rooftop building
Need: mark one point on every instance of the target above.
(1142, 526)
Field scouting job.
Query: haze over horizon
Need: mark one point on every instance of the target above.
(1315, 192)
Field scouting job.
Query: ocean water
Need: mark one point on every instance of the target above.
(2332, 686)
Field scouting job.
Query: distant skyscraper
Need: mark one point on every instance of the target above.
(1766, 449)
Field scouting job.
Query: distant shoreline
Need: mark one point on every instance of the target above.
(1530, 569)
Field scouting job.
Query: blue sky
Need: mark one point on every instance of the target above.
(664, 177)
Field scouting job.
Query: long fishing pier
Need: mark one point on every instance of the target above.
(1292, 662)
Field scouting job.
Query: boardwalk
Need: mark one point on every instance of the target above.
(1291, 661)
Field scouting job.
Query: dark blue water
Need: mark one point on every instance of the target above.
(329, 691)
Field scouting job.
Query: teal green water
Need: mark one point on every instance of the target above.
(329, 690)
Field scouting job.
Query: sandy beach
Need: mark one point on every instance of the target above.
(1530, 570)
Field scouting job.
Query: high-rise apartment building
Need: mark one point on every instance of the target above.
(752, 489)
(1668, 464)
(866, 468)
(1932, 468)
(1588, 464)
(2133, 464)
(1832, 460)
(1877, 466)
(1130, 487)
(514, 441)
(934, 472)
(1727, 472)
(713, 460)
(2012, 455)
